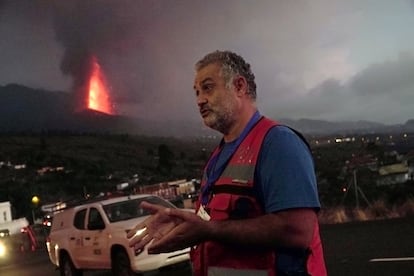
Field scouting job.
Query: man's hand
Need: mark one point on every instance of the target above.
(191, 231)
(153, 228)
(169, 229)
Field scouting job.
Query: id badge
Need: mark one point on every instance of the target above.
(202, 213)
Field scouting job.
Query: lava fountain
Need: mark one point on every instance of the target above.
(98, 93)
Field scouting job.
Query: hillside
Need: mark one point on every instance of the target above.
(25, 109)
(64, 165)
(30, 110)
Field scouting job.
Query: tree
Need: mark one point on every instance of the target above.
(165, 161)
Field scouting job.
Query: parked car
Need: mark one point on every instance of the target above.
(92, 235)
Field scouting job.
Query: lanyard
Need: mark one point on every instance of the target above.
(213, 171)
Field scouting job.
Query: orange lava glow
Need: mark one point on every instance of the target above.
(98, 96)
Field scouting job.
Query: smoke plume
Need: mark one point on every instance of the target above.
(88, 29)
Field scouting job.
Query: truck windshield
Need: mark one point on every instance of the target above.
(130, 209)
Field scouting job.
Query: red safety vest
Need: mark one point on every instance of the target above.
(233, 198)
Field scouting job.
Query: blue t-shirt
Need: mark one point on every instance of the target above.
(285, 175)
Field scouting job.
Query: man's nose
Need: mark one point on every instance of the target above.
(201, 100)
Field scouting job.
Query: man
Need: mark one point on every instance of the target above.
(257, 211)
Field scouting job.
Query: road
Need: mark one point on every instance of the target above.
(380, 248)
(370, 248)
(37, 264)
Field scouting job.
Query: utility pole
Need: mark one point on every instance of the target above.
(357, 190)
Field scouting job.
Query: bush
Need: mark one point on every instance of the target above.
(378, 210)
(406, 209)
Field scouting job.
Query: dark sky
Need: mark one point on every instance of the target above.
(332, 60)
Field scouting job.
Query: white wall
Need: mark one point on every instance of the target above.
(14, 226)
(5, 212)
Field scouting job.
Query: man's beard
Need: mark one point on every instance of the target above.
(220, 121)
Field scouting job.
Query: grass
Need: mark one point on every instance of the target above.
(378, 210)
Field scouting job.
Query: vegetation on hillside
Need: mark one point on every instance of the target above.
(62, 166)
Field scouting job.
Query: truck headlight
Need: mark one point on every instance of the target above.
(2, 250)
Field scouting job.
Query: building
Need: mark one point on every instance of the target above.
(5, 212)
(6, 221)
(394, 174)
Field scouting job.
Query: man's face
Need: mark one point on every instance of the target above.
(216, 102)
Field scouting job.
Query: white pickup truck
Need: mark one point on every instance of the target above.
(93, 236)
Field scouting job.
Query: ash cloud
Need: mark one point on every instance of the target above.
(331, 60)
(377, 93)
(86, 29)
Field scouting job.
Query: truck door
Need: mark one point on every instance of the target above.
(76, 238)
(94, 240)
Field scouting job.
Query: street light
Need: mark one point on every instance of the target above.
(35, 202)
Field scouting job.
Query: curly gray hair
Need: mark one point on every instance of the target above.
(231, 65)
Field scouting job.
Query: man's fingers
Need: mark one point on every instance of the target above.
(156, 227)
(167, 243)
(137, 230)
(181, 214)
(139, 243)
(152, 208)
(160, 245)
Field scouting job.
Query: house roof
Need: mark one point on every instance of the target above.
(393, 169)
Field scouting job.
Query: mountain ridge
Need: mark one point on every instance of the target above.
(27, 109)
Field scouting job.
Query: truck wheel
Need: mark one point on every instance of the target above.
(121, 265)
(67, 268)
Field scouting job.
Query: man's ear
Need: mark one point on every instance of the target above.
(240, 84)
